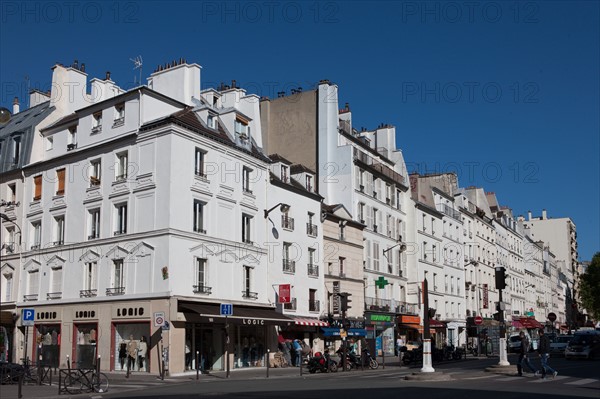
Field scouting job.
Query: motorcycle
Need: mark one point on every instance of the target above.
(321, 362)
(369, 360)
(413, 356)
(352, 362)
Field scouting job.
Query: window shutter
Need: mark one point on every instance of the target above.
(34, 282)
(56, 280)
(37, 181)
(60, 175)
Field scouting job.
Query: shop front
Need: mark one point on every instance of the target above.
(380, 329)
(7, 329)
(410, 329)
(130, 337)
(245, 336)
(47, 337)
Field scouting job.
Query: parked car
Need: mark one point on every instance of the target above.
(558, 346)
(514, 344)
(584, 344)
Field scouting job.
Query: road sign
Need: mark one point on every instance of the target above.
(166, 326)
(552, 316)
(226, 309)
(159, 319)
(284, 293)
(28, 317)
(478, 320)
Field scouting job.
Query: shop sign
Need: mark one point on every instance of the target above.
(404, 319)
(129, 312)
(385, 318)
(46, 315)
(254, 322)
(85, 314)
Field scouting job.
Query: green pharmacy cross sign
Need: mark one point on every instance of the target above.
(381, 282)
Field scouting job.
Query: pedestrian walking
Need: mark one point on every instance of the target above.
(298, 350)
(523, 355)
(399, 345)
(544, 351)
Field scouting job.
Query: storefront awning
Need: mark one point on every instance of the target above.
(241, 314)
(517, 324)
(352, 332)
(436, 324)
(529, 322)
(304, 321)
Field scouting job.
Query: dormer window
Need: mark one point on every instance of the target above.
(211, 122)
(16, 149)
(119, 114)
(241, 128)
(97, 122)
(309, 185)
(72, 140)
(49, 143)
(284, 173)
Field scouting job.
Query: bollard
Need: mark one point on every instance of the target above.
(162, 374)
(197, 365)
(20, 388)
(68, 364)
(128, 367)
(267, 361)
(98, 366)
(383, 356)
(50, 378)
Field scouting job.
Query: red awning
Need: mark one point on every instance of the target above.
(303, 321)
(529, 322)
(517, 324)
(436, 324)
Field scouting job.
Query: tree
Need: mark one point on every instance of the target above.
(588, 288)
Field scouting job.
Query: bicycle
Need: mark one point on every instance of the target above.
(78, 381)
(29, 372)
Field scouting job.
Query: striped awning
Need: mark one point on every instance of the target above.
(304, 321)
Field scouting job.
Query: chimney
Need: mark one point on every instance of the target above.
(76, 64)
(529, 215)
(544, 214)
(347, 107)
(82, 69)
(107, 75)
(16, 105)
(180, 82)
(233, 82)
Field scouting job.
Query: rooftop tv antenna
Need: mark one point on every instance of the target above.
(137, 64)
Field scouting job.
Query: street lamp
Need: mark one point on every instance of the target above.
(282, 207)
(400, 243)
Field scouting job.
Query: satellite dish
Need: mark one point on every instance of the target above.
(275, 233)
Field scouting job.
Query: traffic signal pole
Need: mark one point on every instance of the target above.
(502, 340)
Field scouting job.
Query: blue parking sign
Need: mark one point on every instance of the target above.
(28, 316)
(226, 309)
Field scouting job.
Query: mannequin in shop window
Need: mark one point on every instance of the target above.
(132, 353)
(142, 352)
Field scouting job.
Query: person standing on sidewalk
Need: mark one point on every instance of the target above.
(523, 355)
(298, 350)
(544, 351)
(399, 345)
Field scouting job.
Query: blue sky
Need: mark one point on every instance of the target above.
(505, 93)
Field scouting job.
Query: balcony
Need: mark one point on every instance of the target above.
(313, 270)
(375, 166)
(115, 291)
(121, 178)
(58, 243)
(448, 211)
(202, 289)
(88, 293)
(118, 122)
(289, 266)
(53, 295)
(35, 247)
(97, 129)
(292, 305)
(94, 181)
(382, 305)
(120, 232)
(311, 229)
(249, 294)
(71, 146)
(287, 223)
(30, 297)
(93, 236)
(313, 305)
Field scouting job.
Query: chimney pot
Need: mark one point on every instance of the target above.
(16, 107)
(82, 69)
(107, 75)
(76, 64)
(233, 82)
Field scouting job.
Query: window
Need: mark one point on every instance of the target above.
(97, 122)
(33, 282)
(7, 286)
(313, 303)
(118, 278)
(342, 228)
(200, 280)
(361, 212)
(121, 169)
(199, 163)
(375, 220)
(398, 199)
(342, 262)
(59, 233)
(9, 240)
(390, 262)
(289, 265)
(56, 285)
(311, 229)
(89, 277)
(119, 114)
(313, 269)
(12, 192)
(424, 222)
(284, 173)
(309, 185)
(376, 255)
(49, 143)
(72, 140)
(95, 172)
(37, 188)
(241, 128)
(37, 234)
(94, 223)
(60, 185)
(210, 121)
(246, 180)
(121, 219)
(247, 292)
(199, 216)
(16, 149)
(246, 228)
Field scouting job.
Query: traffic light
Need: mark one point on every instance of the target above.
(497, 316)
(431, 313)
(345, 298)
(500, 278)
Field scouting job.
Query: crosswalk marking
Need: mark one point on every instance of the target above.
(582, 381)
(481, 377)
(557, 378)
(510, 378)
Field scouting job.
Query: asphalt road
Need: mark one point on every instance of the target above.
(578, 378)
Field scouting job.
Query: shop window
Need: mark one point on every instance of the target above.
(131, 346)
(47, 338)
(85, 345)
